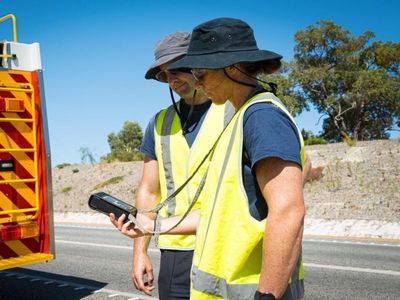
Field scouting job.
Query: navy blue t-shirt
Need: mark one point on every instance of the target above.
(267, 132)
(193, 126)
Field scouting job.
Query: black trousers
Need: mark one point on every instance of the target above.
(174, 277)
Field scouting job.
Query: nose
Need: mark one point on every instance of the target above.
(172, 80)
(198, 85)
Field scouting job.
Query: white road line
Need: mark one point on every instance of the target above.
(364, 243)
(101, 245)
(352, 269)
(311, 265)
(88, 226)
(310, 239)
(128, 295)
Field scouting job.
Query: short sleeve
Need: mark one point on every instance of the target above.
(269, 132)
(148, 143)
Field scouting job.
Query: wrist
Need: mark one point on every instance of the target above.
(264, 296)
(157, 225)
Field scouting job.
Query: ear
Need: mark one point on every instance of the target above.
(232, 70)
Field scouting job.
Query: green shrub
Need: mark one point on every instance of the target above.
(348, 140)
(75, 170)
(122, 156)
(63, 165)
(112, 180)
(66, 189)
(315, 141)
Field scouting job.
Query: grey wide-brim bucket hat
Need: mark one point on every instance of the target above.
(170, 47)
(220, 43)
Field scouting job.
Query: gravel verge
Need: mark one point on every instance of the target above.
(357, 196)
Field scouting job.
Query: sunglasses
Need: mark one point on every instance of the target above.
(163, 75)
(198, 74)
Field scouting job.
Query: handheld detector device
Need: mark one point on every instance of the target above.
(106, 204)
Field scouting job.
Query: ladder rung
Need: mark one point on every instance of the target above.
(18, 150)
(17, 180)
(16, 120)
(16, 89)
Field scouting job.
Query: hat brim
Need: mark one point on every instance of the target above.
(155, 68)
(222, 59)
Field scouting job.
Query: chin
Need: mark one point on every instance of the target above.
(217, 101)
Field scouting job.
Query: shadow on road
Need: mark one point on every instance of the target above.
(24, 284)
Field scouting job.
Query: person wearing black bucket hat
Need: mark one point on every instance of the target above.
(226, 61)
(174, 141)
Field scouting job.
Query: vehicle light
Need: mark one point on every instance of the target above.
(16, 232)
(29, 230)
(11, 105)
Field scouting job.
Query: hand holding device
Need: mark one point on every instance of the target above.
(106, 204)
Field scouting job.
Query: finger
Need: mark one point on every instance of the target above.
(121, 221)
(135, 283)
(113, 220)
(148, 286)
(150, 277)
(140, 282)
(121, 218)
(125, 229)
(148, 289)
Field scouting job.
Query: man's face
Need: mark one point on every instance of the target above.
(181, 83)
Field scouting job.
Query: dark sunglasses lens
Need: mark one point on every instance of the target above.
(198, 74)
(162, 76)
(186, 71)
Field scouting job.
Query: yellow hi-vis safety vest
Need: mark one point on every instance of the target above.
(228, 253)
(176, 162)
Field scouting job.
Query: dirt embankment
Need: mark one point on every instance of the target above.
(360, 182)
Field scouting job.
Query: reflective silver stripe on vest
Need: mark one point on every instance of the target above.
(229, 112)
(210, 284)
(216, 286)
(166, 156)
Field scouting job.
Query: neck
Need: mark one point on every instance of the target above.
(240, 95)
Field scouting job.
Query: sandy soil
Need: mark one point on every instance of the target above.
(359, 184)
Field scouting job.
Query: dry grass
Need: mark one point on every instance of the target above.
(113, 180)
(358, 182)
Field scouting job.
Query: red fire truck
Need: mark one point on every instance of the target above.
(26, 212)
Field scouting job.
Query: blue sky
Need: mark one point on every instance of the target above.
(95, 53)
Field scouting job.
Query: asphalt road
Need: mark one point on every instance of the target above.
(94, 263)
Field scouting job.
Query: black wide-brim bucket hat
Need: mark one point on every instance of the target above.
(220, 43)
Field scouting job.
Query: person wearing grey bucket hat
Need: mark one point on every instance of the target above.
(168, 49)
(175, 139)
